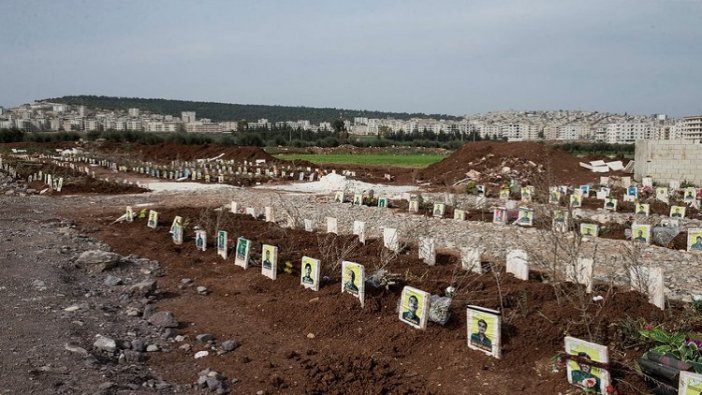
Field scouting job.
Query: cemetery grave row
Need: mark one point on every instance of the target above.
(586, 363)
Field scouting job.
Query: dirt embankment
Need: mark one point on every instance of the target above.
(531, 162)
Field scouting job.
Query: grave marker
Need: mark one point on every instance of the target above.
(518, 264)
(589, 230)
(222, 244)
(201, 239)
(353, 279)
(242, 252)
(359, 229)
(439, 209)
(310, 272)
(414, 307)
(269, 214)
(427, 250)
(641, 233)
(649, 281)
(390, 239)
(690, 383)
(581, 272)
(153, 219)
(677, 212)
(309, 227)
(459, 215)
(177, 230)
(471, 259)
(694, 239)
(269, 264)
(332, 225)
(526, 217)
(484, 330)
(580, 369)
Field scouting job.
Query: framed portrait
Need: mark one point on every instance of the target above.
(480, 189)
(269, 261)
(585, 190)
(241, 258)
(526, 217)
(560, 221)
(642, 209)
(662, 194)
(459, 214)
(414, 307)
(222, 244)
(358, 199)
(694, 239)
(153, 219)
(632, 191)
(525, 194)
(576, 200)
(641, 233)
(177, 230)
(589, 230)
(484, 327)
(677, 212)
(689, 195)
(690, 383)
(582, 367)
(504, 194)
(382, 202)
(129, 213)
(309, 273)
(339, 197)
(554, 196)
(413, 206)
(499, 215)
(201, 240)
(359, 229)
(439, 209)
(353, 277)
(610, 204)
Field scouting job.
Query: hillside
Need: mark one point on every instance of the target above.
(232, 112)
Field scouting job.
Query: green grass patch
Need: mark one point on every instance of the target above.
(397, 160)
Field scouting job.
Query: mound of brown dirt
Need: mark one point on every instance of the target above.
(166, 152)
(530, 162)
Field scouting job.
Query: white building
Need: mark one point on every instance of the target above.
(691, 128)
(187, 116)
(133, 112)
(628, 132)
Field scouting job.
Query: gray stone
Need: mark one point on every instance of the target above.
(131, 356)
(97, 261)
(230, 345)
(205, 337)
(143, 288)
(152, 348)
(163, 319)
(138, 345)
(202, 290)
(105, 344)
(76, 349)
(112, 281)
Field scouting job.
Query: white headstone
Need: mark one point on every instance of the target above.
(391, 239)
(332, 225)
(649, 281)
(308, 225)
(518, 264)
(269, 214)
(581, 272)
(359, 229)
(471, 259)
(427, 250)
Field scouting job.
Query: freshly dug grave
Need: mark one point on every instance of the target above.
(531, 162)
(167, 152)
(299, 341)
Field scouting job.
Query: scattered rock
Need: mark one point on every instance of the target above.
(205, 337)
(202, 290)
(112, 281)
(152, 348)
(310, 335)
(143, 288)
(76, 349)
(39, 285)
(163, 319)
(201, 354)
(230, 345)
(97, 261)
(105, 344)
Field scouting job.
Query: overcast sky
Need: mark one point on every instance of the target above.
(454, 57)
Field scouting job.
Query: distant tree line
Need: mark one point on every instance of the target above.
(219, 112)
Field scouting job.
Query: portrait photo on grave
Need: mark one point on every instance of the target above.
(269, 261)
(153, 219)
(632, 191)
(690, 195)
(504, 194)
(309, 273)
(589, 230)
(439, 209)
(353, 279)
(560, 220)
(585, 190)
(642, 209)
(241, 258)
(525, 194)
(641, 233)
(201, 239)
(610, 204)
(459, 215)
(554, 197)
(414, 307)
(576, 200)
(526, 216)
(359, 229)
(222, 244)
(484, 326)
(413, 206)
(694, 239)
(581, 369)
(382, 202)
(339, 197)
(129, 213)
(357, 199)
(499, 215)
(677, 212)
(690, 383)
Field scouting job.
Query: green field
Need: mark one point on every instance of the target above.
(398, 160)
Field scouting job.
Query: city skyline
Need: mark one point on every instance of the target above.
(641, 57)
